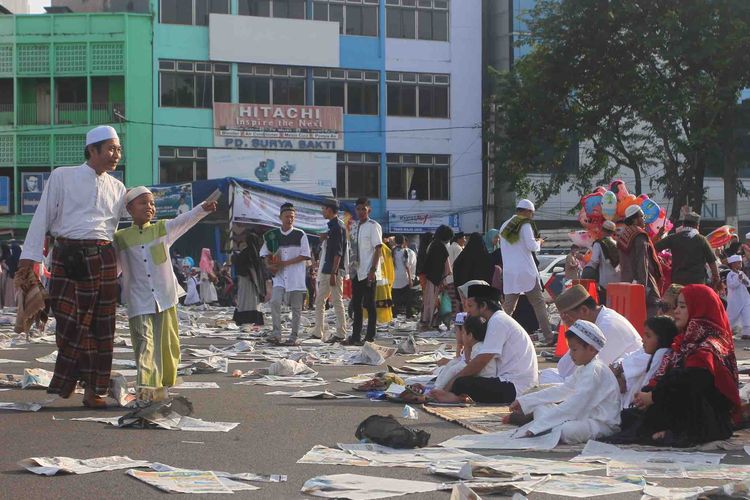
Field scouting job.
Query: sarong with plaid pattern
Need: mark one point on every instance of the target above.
(85, 313)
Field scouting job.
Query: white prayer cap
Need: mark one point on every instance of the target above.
(632, 210)
(135, 193)
(464, 289)
(100, 133)
(747, 236)
(589, 333)
(734, 258)
(609, 225)
(460, 318)
(525, 205)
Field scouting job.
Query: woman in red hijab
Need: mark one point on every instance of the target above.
(696, 389)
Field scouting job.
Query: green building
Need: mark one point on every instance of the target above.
(61, 75)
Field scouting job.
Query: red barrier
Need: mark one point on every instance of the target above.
(629, 300)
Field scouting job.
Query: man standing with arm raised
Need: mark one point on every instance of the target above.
(81, 207)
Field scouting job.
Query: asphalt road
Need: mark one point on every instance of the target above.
(274, 432)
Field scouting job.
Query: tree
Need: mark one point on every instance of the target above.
(648, 85)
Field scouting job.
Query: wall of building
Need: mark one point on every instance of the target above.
(38, 52)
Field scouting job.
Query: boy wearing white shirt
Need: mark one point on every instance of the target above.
(287, 251)
(151, 290)
(738, 297)
(586, 406)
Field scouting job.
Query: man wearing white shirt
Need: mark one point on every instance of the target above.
(518, 244)
(622, 338)
(81, 207)
(286, 250)
(151, 290)
(506, 344)
(405, 268)
(456, 247)
(367, 249)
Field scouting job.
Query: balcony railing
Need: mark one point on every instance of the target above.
(65, 113)
(6, 114)
(33, 114)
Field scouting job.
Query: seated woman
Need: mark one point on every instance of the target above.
(474, 332)
(636, 369)
(691, 397)
(585, 406)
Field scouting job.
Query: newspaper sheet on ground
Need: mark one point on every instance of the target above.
(596, 451)
(49, 466)
(242, 476)
(197, 385)
(358, 487)
(462, 492)
(506, 467)
(322, 395)
(323, 455)
(653, 492)
(383, 456)
(182, 482)
(504, 440)
(277, 381)
(574, 485)
(26, 406)
(36, 378)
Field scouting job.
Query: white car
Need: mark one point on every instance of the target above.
(550, 264)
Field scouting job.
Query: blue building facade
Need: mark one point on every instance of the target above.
(405, 74)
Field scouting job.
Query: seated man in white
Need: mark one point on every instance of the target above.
(586, 406)
(506, 345)
(622, 338)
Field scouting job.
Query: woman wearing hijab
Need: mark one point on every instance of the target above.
(694, 392)
(438, 276)
(384, 288)
(208, 290)
(473, 263)
(492, 242)
(251, 281)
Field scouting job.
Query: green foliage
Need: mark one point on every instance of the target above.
(648, 85)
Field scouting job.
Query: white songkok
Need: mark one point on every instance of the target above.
(464, 289)
(632, 210)
(101, 133)
(135, 193)
(525, 205)
(460, 318)
(589, 333)
(734, 258)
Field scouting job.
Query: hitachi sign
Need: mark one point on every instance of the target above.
(282, 112)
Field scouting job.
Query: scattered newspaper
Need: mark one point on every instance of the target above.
(357, 487)
(49, 466)
(201, 482)
(504, 440)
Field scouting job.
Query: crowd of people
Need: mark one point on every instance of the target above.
(675, 385)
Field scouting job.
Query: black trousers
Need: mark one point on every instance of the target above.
(485, 390)
(403, 301)
(363, 296)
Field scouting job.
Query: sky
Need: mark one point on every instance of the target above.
(37, 6)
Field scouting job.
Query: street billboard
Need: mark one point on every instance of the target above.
(413, 223)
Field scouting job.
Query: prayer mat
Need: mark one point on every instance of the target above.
(481, 419)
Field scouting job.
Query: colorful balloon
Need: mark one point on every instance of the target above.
(590, 202)
(582, 238)
(650, 210)
(625, 203)
(721, 236)
(619, 188)
(609, 205)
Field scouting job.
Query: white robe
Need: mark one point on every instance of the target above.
(622, 339)
(208, 290)
(454, 251)
(638, 373)
(738, 300)
(586, 406)
(520, 274)
(192, 296)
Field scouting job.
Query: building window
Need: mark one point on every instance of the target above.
(357, 175)
(189, 84)
(289, 9)
(355, 17)
(418, 177)
(190, 11)
(354, 90)
(178, 164)
(417, 19)
(271, 84)
(418, 94)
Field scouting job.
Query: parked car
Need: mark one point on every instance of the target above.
(550, 264)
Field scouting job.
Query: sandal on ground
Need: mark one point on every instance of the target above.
(372, 385)
(96, 403)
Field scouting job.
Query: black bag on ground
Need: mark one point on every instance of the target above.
(387, 431)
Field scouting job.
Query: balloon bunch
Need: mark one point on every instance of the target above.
(610, 204)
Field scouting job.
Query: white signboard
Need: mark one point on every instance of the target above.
(257, 207)
(302, 171)
(420, 223)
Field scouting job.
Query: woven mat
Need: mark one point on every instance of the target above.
(480, 419)
(486, 419)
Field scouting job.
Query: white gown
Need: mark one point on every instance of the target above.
(738, 300)
(586, 406)
(192, 296)
(638, 373)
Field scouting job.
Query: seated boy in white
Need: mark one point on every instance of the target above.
(586, 406)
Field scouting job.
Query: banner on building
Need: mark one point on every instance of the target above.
(32, 185)
(420, 223)
(4, 195)
(172, 201)
(257, 207)
(269, 126)
(302, 171)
